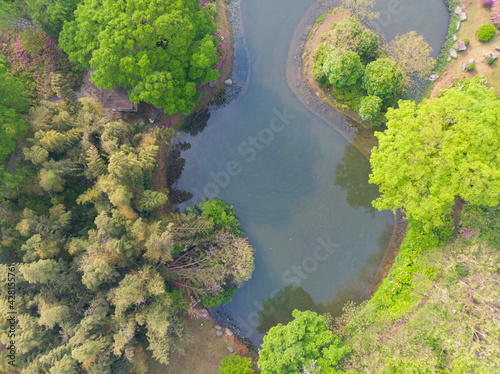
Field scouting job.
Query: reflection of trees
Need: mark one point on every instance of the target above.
(352, 175)
(175, 167)
(196, 122)
(279, 308)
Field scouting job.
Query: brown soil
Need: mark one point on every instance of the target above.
(159, 182)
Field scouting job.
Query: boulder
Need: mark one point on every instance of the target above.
(212, 84)
(492, 55)
(228, 82)
(471, 61)
(230, 349)
(219, 333)
(463, 16)
(464, 66)
(498, 48)
(217, 327)
(458, 25)
(228, 332)
(458, 10)
(460, 46)
(454, 37)
(453, 53)
(448, 59)
(433, 77)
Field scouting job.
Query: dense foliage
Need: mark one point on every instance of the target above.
(160, 50)
(343, 68)
(440, 149)
(13, 103)
(100, 278)
(303, 343)
(383, 78)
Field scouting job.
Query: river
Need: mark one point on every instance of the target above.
(300, 189)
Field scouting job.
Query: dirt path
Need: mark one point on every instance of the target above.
(476, 17)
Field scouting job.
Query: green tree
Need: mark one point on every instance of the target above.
(343, 68)
(383, 78)
(290, 348)
(440, 149)
(13, 103)
(235, 364)
(160, 50)
(50, 15)
(412, 53)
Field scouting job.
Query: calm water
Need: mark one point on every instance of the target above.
(300, 189)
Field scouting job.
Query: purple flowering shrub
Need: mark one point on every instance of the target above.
(33, 56)
(495, 13)
(221, 49)
(486, 3)
(162, 120)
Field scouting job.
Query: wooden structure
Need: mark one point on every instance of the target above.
(117, 100)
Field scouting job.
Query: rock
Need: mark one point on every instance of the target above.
(203, 313)
(464, 66)
(463, 16)
(228, 82)
(471, 61)
(460, 46)
(453, 53)
(458, 25)
(454, 37)
(212, 84)
(228, 332)
(458, 10)
(492, 55)
(448, 59)
(217, 327)
(230, 349)
(219, 333)
(498, 48)
(433, 77)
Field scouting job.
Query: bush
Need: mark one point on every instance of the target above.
(485, 33)
(486, 3)
(370, 108)
(235, 364)
(467, 42)
(343, 68)
(470, 66)
(495, 13)
(490, 60)
(320, 77)
(383, 78)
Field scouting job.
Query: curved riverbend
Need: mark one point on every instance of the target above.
(300, 189)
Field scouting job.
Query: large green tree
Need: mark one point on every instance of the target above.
(302, 343)
(343, 68)
(440, 149)
(50, 15)
(159, 50)
(383, 78)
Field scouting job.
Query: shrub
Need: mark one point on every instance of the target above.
(467, 42)
(486, 3)
(383, 78)
(495, 13)
(470, 66)
(235, 364)
(370, 107)
(490, 60)
(485, 33)
(343, 68)
(320, 77)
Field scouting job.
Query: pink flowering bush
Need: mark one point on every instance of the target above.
(495, 13)
(221, 48)
(33, 56)
(486, 3)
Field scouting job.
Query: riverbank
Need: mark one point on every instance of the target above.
(476, 17)
(159, 182)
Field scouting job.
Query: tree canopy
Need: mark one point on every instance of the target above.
(440, 149)
(343, 68)
(383, 78)
(159, 50)
(13, 103)
(300, 344)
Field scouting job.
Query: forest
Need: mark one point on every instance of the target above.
(100, 270)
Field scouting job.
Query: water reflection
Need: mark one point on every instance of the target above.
(352, 175)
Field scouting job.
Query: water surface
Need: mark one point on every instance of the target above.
(299, 188)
